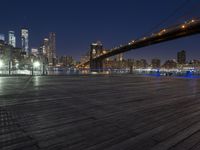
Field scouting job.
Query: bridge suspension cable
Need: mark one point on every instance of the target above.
(171, 15)
(191, 13)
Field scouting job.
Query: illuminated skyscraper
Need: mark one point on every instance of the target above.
(45, 50)
(2, 37)
(141, 64)
(119, 57)
(156, 63)
(25, 40)
(34, 51)
(52, 49)
(12, 38)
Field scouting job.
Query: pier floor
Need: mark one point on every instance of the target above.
(99, 113)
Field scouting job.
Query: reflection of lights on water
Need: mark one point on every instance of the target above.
(101, 73)
(107, 72)
(85, 71)
(94, 72)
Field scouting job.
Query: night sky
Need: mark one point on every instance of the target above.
(77, 23)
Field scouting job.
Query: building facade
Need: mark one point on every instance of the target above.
(66, 61)
(2, 37)
(25, 40)
(120, 57)
(170, 64)
(156, 63)
(51, 52)
(45, 49)
(181, 57)
(141, 64)
(11, 38)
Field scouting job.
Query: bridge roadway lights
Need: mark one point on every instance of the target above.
(96, 66)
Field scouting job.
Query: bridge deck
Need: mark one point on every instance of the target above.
(99, 112)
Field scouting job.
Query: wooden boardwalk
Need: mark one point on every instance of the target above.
(99, 113)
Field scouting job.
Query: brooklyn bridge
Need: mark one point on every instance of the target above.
(188, 28)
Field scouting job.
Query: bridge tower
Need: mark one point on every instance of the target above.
(96, 50)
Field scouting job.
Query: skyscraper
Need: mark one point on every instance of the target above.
(181, 57)
(142, 63)
(156, 63)
(119, 57)
(45, 50)
(34, 51)
(52, 49)
(25, 40)
(12, 38)
(2, 37)
(66, 61)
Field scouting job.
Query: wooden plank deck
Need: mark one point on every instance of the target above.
(99, 112)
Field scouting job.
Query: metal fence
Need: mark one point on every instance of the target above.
(73, 71)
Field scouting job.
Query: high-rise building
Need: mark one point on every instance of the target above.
(52, 49)
(141, 64)
(194, 63)
(169, 64)
(25, 40)
(11, 38)
(66, 61)
(119, 57)
(181, 57)
(155, 63)
(45, 46)
(34, 51)
(2, 37)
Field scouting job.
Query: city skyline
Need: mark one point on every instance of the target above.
(11, 34)
(122, 27)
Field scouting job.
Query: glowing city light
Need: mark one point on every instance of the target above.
(36, 64)
(183, 26)
(17, 65)
(1, 64)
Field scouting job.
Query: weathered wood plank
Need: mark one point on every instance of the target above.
(99, 112)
